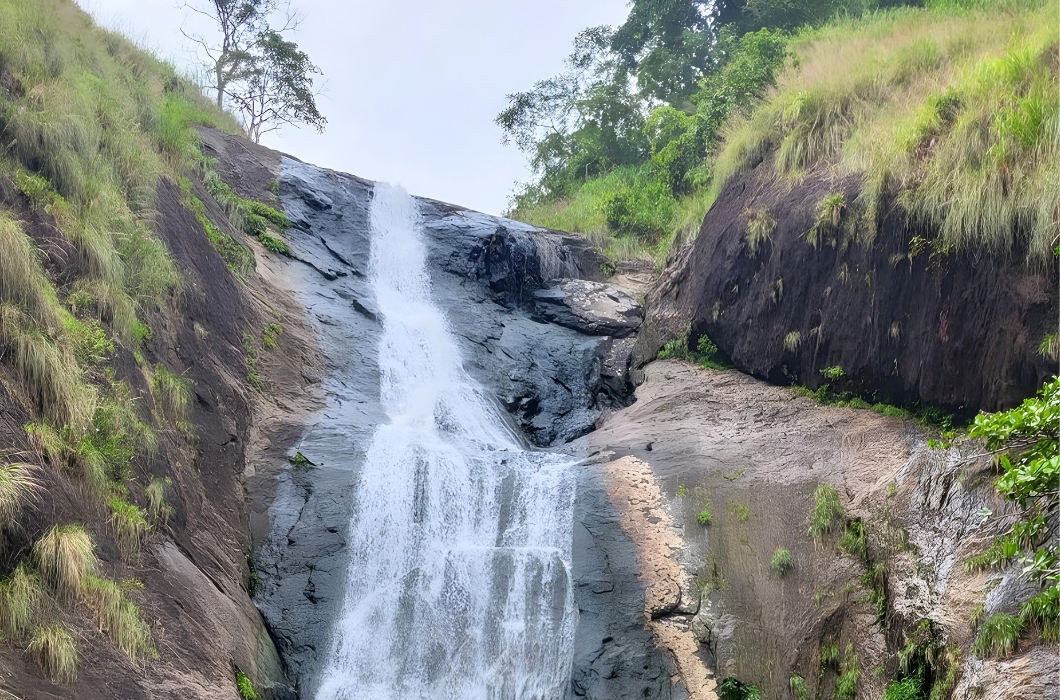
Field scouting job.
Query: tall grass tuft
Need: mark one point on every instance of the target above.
(128, 524)
(172, 392)
(998, 636)
(157, 506)
(54, 650)
(21, 597)
(65, 556)
(118, 616)
(18, 487)
(827, 511)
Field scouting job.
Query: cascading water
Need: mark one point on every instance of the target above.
(459, 583)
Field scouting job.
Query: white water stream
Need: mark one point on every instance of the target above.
(459, 581)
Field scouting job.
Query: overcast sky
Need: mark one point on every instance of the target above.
(412, 85)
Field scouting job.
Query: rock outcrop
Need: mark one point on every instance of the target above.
(907, 323)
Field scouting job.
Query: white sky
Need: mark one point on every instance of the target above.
(412, 85)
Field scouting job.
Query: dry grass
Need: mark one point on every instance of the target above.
(953, 115)
(118, 616)
(157, 506)
(18, 488)
(65, 556)
(128, 524)
(21, 596)
(172, 392)
(54, 650)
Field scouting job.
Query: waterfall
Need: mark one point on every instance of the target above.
(459, 581)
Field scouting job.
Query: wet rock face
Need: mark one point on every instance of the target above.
(556, 373)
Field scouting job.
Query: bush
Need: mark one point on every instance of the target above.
(782, 562)
(911, 688)
(21, 597)
(65, 556)
(129, 525)
(54, 650)
(827, 511)
(245, 687)
(118, 616)
(998, 636)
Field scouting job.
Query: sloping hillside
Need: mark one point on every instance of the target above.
(889, 210)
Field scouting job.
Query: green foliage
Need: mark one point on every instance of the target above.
(118, 616)
(21, 597)
(798, 687)
(782, 563)
(269, 335)
(704, 518)
(875, 581)
(158, 508)
(245, 687)
(172, 392)
(253, 218)
(238, 258)
(853, 541)
(832, 374)
(251, 353)
(909, 688)
(732, 689)
(706, 354)
(846, 684)
(998, 636)
(760, 228)
(65, 555)
(741, 510)
(827, 511)
(54, 650)
(129, 525)
(1027, 440)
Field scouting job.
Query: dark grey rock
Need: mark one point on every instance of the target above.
(595, 308)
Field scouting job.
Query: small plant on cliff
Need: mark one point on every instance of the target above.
(853, 541)
(118, 616)
(742, 511)
(252, 361)
(1026, 440)
(846, 685)
(157, 505)
(20, 600)
(782, 562)
(760, 228)
(732, 689)
(65, 556)
(18, 487)
(798, 687)
(54, 650)
(704, 518)
(269, 335)
(792, 341)
(172, 391)
(999, 636)
(827, 511)
(245, 687)
(129, 525)
(910, 688)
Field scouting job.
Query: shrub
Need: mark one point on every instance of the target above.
(18, 487)
(65, 556)
(911, 688)
(157, 505)
(782, 562)
(129, 525)
(245, 687)
(704, 518)
(54, 650)
(118, 616)
(998, 636)
(827, 511)
(20, 600)
(172, 392)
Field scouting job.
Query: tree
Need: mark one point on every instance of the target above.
(279, 89)
(269, 80)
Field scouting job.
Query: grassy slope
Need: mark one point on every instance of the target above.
(90, 123)
(952, 112)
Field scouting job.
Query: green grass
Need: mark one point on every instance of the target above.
(128, 524)
(827, 511)
(949, 114)
(782, 562)
(742, 511)
(269, 335)
(853, 541)
(253, 218)
(846, 685)
(54, 650)
(798, 687)
(158, 508)
(245, 687)
(998, 637)
(21, 598)
(65, 556)
(704, 518)
(911, 688)
(706, 355)
(118, 616)
(172, 392)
